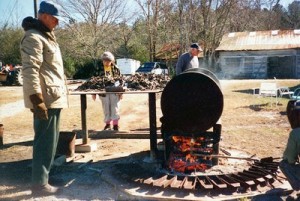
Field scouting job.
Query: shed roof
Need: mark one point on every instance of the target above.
(260, 40)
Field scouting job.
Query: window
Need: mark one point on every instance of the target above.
(233, 62)
(248, 64)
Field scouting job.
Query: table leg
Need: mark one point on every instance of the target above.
(153, 127)
(83, 119)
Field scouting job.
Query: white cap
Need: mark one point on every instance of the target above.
(108, 56)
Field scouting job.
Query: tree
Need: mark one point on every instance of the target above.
(132, 41)
(92, 27)
(271, 18)
(152, 12)
(292, 18)
(215, 16)
(10, 45)
(188, 23)
(253, 15)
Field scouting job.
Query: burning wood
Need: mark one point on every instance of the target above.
(181, 158)
(139, 81)
(189, 144)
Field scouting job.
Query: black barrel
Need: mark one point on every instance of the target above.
(191, 102)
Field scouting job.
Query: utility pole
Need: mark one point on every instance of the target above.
(35, 8)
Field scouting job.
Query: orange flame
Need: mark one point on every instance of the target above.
(182, 161)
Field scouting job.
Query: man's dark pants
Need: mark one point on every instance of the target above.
(44, 146)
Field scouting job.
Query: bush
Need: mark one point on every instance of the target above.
(69, 66)
(87, 70)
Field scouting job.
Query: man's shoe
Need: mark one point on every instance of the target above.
(116, 128)
(43, 190)
(107, 127)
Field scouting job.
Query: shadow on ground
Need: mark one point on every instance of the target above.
(88, 176)
(26, 143)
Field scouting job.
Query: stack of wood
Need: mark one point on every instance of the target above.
(138, 81)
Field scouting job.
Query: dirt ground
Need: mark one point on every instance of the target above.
(249, 123)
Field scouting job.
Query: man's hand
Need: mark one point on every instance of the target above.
(39, 107)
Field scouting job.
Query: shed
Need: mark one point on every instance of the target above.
(260, 54)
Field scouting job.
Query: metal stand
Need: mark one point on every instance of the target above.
(153, 127)
(83, 119)
(152, 117)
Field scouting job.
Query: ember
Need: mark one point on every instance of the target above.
(181, 158)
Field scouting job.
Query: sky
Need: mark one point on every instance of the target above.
(14, 11)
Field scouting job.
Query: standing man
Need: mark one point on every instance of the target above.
(45, 91)
(189, 59)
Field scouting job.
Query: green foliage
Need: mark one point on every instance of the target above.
(88, 69)
(172, 71)
(294, 15)
(133, 43)
(134, 51)
(10, 45)
(69, 66)
(140, 53)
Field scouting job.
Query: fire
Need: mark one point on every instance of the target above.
(181, 158)
(190, 158)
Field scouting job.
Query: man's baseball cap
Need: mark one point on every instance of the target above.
(196, 46)
(51, 8)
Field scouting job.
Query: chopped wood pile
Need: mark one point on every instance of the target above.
(139, 81)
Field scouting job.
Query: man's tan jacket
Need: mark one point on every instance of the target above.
(43, 70)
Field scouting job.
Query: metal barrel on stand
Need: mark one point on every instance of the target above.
(192, 101)
(191, 104)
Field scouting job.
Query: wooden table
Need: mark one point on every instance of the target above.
(152, 114)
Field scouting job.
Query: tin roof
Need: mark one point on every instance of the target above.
(260, 40)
